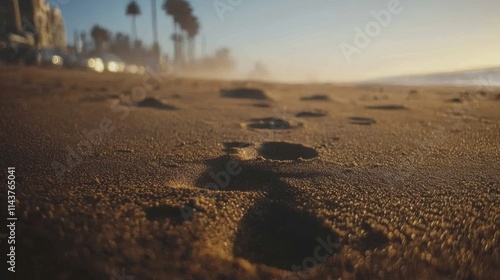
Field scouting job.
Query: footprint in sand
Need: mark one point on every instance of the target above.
(361, 121)
(151, 102)
(316, 97)
(271, 123)
(245, 93)
(272, 232)
(389, 107)
(311, 114)
(262, 105)
(286, 151)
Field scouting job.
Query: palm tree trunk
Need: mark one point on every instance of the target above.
(155, 23)
(193, 49)
(185, 47)
(176, 45)
(134, 29)
(155, 31)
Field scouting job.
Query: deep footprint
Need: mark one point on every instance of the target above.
(281, 237)
(286, 151)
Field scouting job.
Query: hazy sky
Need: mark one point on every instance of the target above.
(300, 40)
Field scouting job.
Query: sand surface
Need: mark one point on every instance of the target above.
(191, 182)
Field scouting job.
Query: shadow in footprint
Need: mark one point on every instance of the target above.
(456, 100)
(361, 121)
(165, 212)
(317, 97)
(372, 238)
(151, 102)
(244, 93)
(286, 151)
(387, 107)
(276, 235)
(262, 105)
(228, 174)
(311, 114)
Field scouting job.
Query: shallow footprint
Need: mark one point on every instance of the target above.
(245, 93)
(269, 123)
(361, 121)
(316, 97)
(262, 105)
(311, 114)
(387, 107)
(151, 102)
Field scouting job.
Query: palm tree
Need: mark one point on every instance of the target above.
(171, 9)
(181, 11)
(185, 18)
(193, 28)
(133, 10)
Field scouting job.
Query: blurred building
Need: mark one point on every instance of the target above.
(49, 23)
(35, 17)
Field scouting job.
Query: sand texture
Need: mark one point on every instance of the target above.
(205, 179)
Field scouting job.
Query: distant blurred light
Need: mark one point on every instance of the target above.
(99, 65)
(57, 60)
(91, 63)
(96, 64)
(132, 69)
(113, 67)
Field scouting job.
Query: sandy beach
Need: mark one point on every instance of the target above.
(124, 176)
